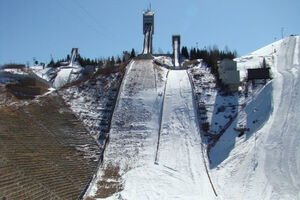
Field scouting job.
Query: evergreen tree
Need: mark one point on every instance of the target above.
(119, 60)
(184, 52)
(132, 54)
(126, 56)
(51, 63)
(193, 54)
(112, 61)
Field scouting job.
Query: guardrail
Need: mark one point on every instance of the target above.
(196, 106)
(160, 118)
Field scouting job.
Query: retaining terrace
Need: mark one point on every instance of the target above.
(39, 156)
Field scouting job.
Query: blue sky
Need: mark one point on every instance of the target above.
(41, 28)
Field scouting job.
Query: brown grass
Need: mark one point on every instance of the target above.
(38, 151)
(89, 198)
(110, 182)
(190, 62)
(27, 88)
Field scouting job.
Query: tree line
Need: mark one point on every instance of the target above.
(110, 61)
(210, 56)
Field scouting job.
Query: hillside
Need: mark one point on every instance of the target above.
(45, 151)
(154, 140)
(155, 147)
(265, 162)
(160, 133)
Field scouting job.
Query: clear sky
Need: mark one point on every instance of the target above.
(102, 28)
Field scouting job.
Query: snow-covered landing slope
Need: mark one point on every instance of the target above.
(265, 163)
(59, 76)
(134, 129)
(138, 164)
(67, 75)
(181, 165)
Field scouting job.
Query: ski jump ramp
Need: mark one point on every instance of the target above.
(129, 168)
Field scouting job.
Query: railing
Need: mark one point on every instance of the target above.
(160, 119)
(196, 107)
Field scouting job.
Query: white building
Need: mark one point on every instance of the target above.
(229, 74)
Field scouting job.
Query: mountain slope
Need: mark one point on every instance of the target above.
(265, 163)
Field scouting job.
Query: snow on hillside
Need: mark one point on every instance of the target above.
(67, 75)
(12, 74)
(264, 163)
(43, 72)
(92, 101)
(59, 76)
(134, 128)
(164, 60)
(155, 147)
(15, 71)
(217, 107)
(255, 59)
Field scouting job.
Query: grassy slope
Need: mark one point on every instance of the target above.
(38, 156)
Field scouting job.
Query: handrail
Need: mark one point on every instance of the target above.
(196, 107)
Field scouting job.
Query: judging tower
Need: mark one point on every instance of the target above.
(148, 30)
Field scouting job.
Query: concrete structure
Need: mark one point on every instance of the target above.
(148, 31)
(74, 55)
(176, 49)
(229, 74)
(148, 20)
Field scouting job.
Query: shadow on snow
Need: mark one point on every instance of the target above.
(253, 117)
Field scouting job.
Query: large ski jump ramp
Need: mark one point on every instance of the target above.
(129, 168)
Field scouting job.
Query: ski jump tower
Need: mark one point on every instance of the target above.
(74, 55)
(176, 49)
(148, 31)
